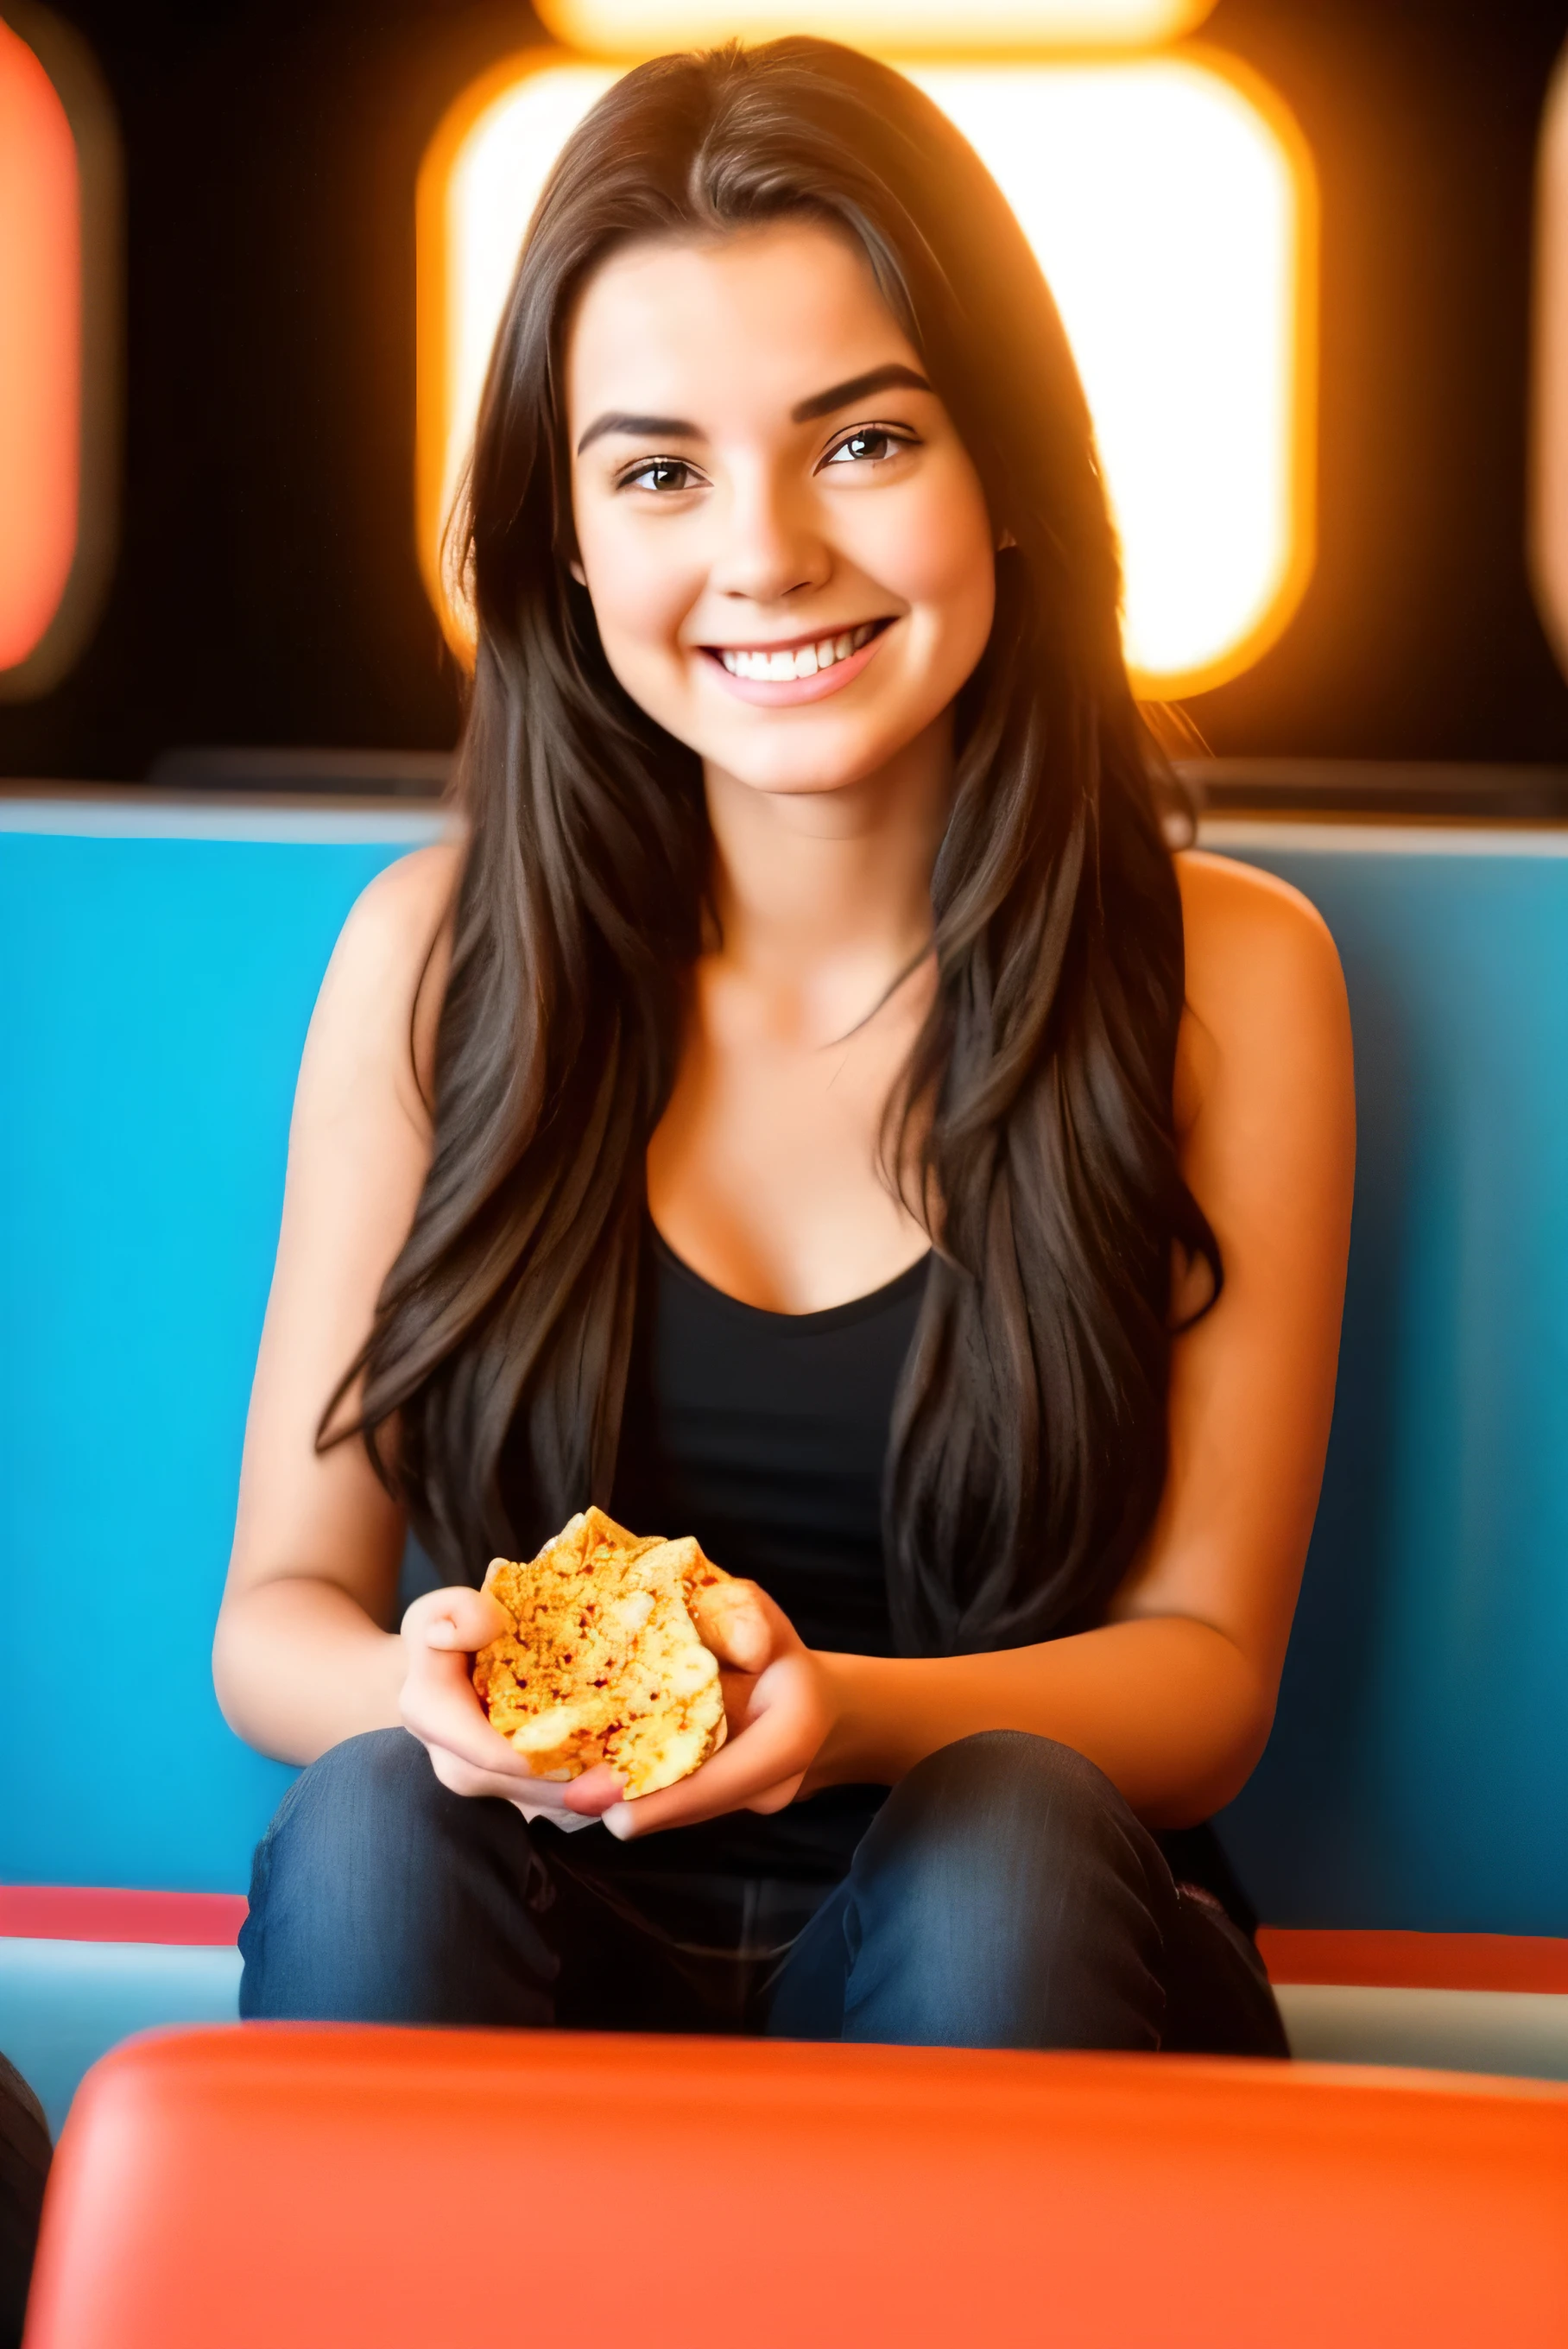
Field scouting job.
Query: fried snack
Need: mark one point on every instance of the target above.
(604, 1663)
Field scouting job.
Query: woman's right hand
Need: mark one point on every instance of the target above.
(442, 1632)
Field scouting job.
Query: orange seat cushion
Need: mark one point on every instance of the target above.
(418, 2189)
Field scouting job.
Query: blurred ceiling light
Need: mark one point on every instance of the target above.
(1547, 504)
(58, 176)
(1172, 209)
(925, 27)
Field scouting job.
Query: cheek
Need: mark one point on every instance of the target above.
(936, 552)
(641, 588)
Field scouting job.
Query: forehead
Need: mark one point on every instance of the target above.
(753, 321)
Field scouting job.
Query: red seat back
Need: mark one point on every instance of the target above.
(274, 2187)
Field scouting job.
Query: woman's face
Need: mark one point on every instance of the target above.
(787, 547)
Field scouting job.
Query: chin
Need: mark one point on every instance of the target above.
(802, 778)
(784, 758)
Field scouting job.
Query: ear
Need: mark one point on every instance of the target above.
(577, 570)
(1005, 542)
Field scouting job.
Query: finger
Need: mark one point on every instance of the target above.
(461, 1778)
(456, 1617)
(541, 1795)
(739, 1691)
(771, 1799)
(777, 1745)
(440, 1705)
(733, 1620)
(591, 1795)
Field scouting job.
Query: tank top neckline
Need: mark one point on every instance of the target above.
(828, 1317)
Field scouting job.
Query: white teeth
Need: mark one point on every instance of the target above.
(783, 669)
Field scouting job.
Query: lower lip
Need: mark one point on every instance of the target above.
(783, 693)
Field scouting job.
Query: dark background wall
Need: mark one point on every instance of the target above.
(266, 591)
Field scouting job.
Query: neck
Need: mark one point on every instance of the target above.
(828, 893)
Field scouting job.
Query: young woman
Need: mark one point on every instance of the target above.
(810, 1109)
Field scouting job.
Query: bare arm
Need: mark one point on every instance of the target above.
(306, 1650)
(1174, 1696)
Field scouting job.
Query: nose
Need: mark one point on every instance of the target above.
(772, 546)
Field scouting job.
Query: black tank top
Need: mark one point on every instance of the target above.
(765, 1435)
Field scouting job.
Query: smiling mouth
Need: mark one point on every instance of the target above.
(782, 665)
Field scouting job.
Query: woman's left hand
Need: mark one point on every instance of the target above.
(780, 1710)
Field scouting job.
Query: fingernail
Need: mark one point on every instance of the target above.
(619, 1820)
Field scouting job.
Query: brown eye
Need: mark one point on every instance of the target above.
(662, 475)
(870, 446)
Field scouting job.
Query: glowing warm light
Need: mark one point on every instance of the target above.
(1172, 222)
(643, 27)
(1174, 217)
(40, 351)
(478, 184)
(1547, 523)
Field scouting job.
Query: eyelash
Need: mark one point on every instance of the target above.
(896, 436)
(644, 465)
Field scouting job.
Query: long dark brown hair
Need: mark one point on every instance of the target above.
(1034, 1131)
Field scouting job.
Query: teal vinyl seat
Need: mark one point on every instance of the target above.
(159, 963)
(1418, 1776)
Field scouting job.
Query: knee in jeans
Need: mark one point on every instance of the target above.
(379, 1765)
(357, 1791)
(998, 1819)
(379, 1896)
(1006, 1896)
(1019, 1799)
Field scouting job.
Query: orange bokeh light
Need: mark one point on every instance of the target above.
(41, 350)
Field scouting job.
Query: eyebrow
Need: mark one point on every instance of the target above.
(894, 377)
(641, 427)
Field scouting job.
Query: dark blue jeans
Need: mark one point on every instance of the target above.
(1005, 1896)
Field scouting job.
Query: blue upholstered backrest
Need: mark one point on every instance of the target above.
(157, 991)
(1418, 1771)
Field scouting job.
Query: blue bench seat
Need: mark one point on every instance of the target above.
(159, 962)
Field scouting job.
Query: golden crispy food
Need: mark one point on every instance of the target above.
(604, 1663)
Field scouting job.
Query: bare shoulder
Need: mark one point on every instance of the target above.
(1266, 994)
(394, 920)
(1235, 912)
(1253, 941)
(384, 984)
